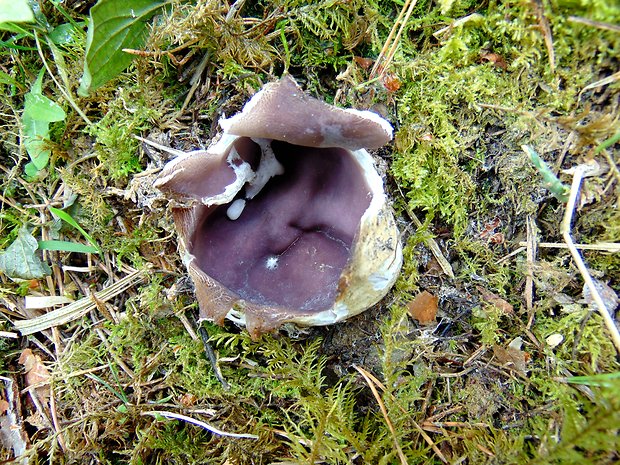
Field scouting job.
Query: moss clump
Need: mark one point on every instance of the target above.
(133, 110)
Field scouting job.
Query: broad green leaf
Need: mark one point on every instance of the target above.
(15, 11)
(114, 25)
(39, 111)
(19, 259)
(34, 140)
(39, 108)
(63, 34)
(35, 135)
(66, 246)
(31, 170)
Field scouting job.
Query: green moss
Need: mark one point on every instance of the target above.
(586, 346)
(134, 109)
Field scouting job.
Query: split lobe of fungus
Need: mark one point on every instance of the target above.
(284, 219)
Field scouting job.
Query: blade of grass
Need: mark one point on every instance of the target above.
(605, 379)
(69, 220)
(66, 246)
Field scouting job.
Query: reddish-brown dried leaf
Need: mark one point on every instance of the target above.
(494, 58)
(423, 308)
(36, 374)
(4, 406)
(188, 400)
(496, 301)
(363, 63)
(391, 82)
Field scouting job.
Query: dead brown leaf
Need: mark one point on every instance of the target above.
(494, 58)
(496, 301)
(4, 406)
(511, 357)
(37, 374)
(391, 82)
(364, 63)
(423, 308)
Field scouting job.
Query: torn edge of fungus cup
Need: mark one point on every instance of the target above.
(284, 218)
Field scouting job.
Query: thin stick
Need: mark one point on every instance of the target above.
(169, 150)
(394, 47)
(212, 356)
(565, 229)
(202, 424)
(79, 308)
(372, 387)
(426, 437)
(601, 246)
(388, 41)
(430, 243)
(65, 93)
(529, 278)
(59, 434)
(598, 24)
(546, 30)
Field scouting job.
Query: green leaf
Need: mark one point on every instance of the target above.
(15, 11)
(66, 246)
(114, 25)
(19, 259)
(31, 170)
(7, 79)
(63, 34)
(39, 111)
(39, 108)
(69, 219)
(551, 181)
(600, 380)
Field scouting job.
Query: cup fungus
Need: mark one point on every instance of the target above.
(284, 219)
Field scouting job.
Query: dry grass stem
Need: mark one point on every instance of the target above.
(371, 385)
(9, 334)
(566, 230)
(391, 43)
(79, 308)
(600, 246)
(202, 424)
(529, 278)
(597, 24)
(430, 243)
(546, 30)
(426, 437)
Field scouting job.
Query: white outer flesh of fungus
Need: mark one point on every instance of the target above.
(268, 167)
(243, 173)
(385, 125)
(236, 208)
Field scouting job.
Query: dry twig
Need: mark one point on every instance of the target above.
(202, 424)
(389, 48)
(79, 308)
(529, 278)
(372, 382)
(566, 230)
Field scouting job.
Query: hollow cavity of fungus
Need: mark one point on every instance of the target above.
(284, 219)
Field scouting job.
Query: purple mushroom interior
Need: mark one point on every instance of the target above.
(292, 241)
